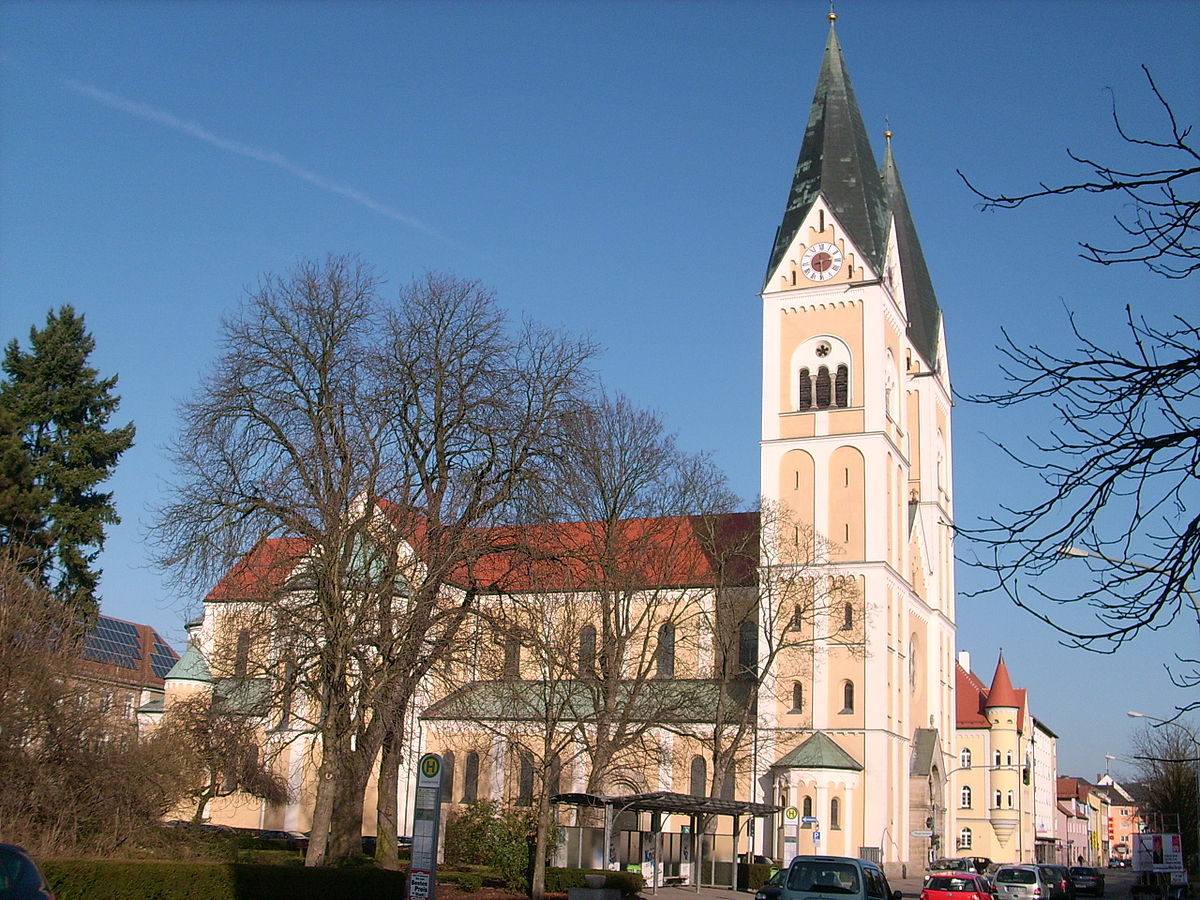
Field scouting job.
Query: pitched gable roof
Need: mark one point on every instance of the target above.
(261, 572)
(819, 752)
(924, 315)
(836, 162)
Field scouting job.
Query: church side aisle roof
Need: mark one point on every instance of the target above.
(819, 752)
(836, 161)
(924, 315)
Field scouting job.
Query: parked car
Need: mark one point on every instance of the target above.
(830, 878)
(1087, 880)
(20, 878)
(957, 886)
(1022, 883)
(1118, 862)
(1061, 886)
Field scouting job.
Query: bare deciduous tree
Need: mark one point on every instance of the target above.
(379, 440)
(1167, 786)
(1121, 466)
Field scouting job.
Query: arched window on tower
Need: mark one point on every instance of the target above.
(1009, 798)
(841, 387)
(1008, 758)
(997, 798)
(848, 617)
(805, 396)
(965, 798)
(835, 813)
(997, 757)
(823, 387)
(964, 758)
(847, 697)
(964, 839)
(797, 697)
(806, 811)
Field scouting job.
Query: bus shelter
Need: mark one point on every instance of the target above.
(696, 808)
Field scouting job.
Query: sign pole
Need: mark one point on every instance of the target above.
(427, 814)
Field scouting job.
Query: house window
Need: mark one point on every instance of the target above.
(512, 658)
(835, 813)
(797, 697)
(748, 649)
(471, 778)
(699, 779)
(806, 811)
(1008, 758)
(841, 387)
(823, 387)
(965, 799)
(448, 776)
(805, 399)
(587, 651)
(847, 697)
(964, 839)
(997, 799)
(666, 651)
(525, 780)
(1010, 799)
(241, 658)
(964, 758)
(997, 757)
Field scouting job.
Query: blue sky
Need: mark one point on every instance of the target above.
(614, 168)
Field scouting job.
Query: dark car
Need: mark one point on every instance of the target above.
(1088, 880)
(830, 878)
(19, 876)
(1059, 879)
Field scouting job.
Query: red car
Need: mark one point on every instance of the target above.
(956, 886)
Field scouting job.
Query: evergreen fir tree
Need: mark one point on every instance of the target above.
(60, 408)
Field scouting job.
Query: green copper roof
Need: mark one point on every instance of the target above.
(836, 162)
(924, 751)
(244, 695)
(191, 666)
(924, 316)
(819, 752)
(666, 700)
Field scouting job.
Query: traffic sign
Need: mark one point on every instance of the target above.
(921, 832)
(816, 837)
(790, 813)
(809, 820)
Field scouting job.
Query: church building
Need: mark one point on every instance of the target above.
(842, 616)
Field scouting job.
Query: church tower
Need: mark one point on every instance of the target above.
(856, 465)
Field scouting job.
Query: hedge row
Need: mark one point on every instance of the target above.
(558, 881)
(752, 876)
(100, 879)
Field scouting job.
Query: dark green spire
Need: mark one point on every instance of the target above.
(836, 161)
(924, 316)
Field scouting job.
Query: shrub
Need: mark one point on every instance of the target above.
(752, 876)
(103, 879)
(559, 881)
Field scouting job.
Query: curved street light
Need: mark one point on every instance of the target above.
(1079, 553)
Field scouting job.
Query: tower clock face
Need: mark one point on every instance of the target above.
(821, 262)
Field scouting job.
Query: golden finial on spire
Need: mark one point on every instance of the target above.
(887, 129)
(832, 14)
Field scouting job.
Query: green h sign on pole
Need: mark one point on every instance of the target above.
(427, 813)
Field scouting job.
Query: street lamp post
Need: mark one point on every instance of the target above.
(1195, 761)
(1080, 552)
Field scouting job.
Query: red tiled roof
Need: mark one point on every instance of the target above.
(1002, 693)
(635, 554)
(972, 697)
(262, 571)
(680, 551)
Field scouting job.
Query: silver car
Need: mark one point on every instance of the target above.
(1021, 883)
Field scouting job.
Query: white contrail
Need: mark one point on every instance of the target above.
(270, 157)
